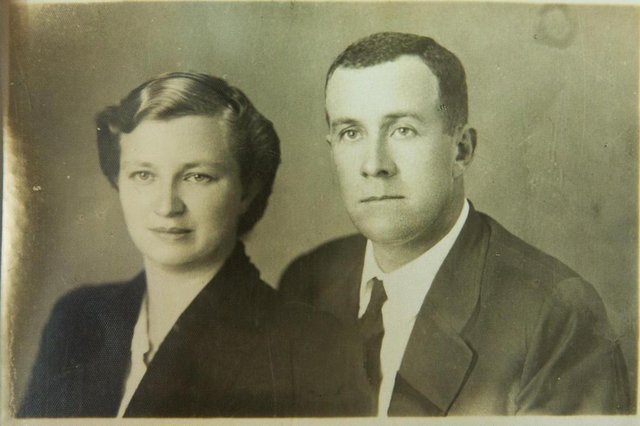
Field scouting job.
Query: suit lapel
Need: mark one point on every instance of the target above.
(437, 360)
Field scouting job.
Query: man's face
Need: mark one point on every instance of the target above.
(397, 167)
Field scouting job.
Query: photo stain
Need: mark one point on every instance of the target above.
(556, 27)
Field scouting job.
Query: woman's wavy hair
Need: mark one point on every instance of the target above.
(254, 142)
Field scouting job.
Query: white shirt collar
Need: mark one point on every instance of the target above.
(408, 285)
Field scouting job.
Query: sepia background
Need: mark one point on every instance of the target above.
(553, 95)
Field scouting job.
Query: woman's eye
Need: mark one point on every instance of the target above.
(199, 178)
(403, 132)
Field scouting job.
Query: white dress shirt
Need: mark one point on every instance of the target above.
(406, 289)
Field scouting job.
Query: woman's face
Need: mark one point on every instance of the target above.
(180, 191)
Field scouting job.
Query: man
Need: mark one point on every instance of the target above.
(457, 315)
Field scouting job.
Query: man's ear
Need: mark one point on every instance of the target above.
(465, 140)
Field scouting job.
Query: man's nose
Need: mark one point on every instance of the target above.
(378, 160)
(168, 202)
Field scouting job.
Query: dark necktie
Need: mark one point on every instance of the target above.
(372, 331)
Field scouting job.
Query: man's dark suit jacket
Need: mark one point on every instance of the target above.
(504, 329)
(235, 351)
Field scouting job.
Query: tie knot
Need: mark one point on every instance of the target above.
(371, 323)
(378, 295)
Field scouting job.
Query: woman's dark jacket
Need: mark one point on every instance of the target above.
(236, 351)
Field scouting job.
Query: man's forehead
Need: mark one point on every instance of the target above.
(404, 65)
(403, 84)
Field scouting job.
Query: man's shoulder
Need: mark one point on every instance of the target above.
(321, 266)
(333, 256)
(302, 321)
(327, 358)
(528, 277)
(336, 249)
(511, 254)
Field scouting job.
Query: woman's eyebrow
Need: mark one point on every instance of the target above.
(136, 164)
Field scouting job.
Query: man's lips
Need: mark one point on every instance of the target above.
(381, 198)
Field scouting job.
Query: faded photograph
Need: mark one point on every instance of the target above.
(320, 209)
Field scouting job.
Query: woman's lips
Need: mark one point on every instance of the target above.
(170, 233)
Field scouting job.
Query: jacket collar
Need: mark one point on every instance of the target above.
(231, 295)
(231, 304)
(437, 360)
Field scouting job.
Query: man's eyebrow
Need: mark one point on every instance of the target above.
(196, 164)
(342, 122)
(402, 114)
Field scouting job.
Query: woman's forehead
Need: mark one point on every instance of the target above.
(192, 139)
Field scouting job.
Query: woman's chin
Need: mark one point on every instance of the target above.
(176, 261)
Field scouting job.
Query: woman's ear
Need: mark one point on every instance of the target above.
(465, 140)
(250, 191)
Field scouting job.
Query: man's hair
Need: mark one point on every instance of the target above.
(388, 46)
(254, 143)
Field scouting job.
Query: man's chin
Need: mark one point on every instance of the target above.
(387, 234)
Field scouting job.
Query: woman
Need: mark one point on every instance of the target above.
(197, 334)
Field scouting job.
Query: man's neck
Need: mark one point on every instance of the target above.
(394, 255)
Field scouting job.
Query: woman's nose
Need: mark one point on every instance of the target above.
(378, 160)
(168, 202)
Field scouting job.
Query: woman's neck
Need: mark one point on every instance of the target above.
(160, 277)
(171, 290)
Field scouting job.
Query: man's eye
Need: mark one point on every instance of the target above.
(349, 134)
(403, 132)
(198, 178)
(141, 176)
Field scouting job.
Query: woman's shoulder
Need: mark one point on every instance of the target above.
(93, 298)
